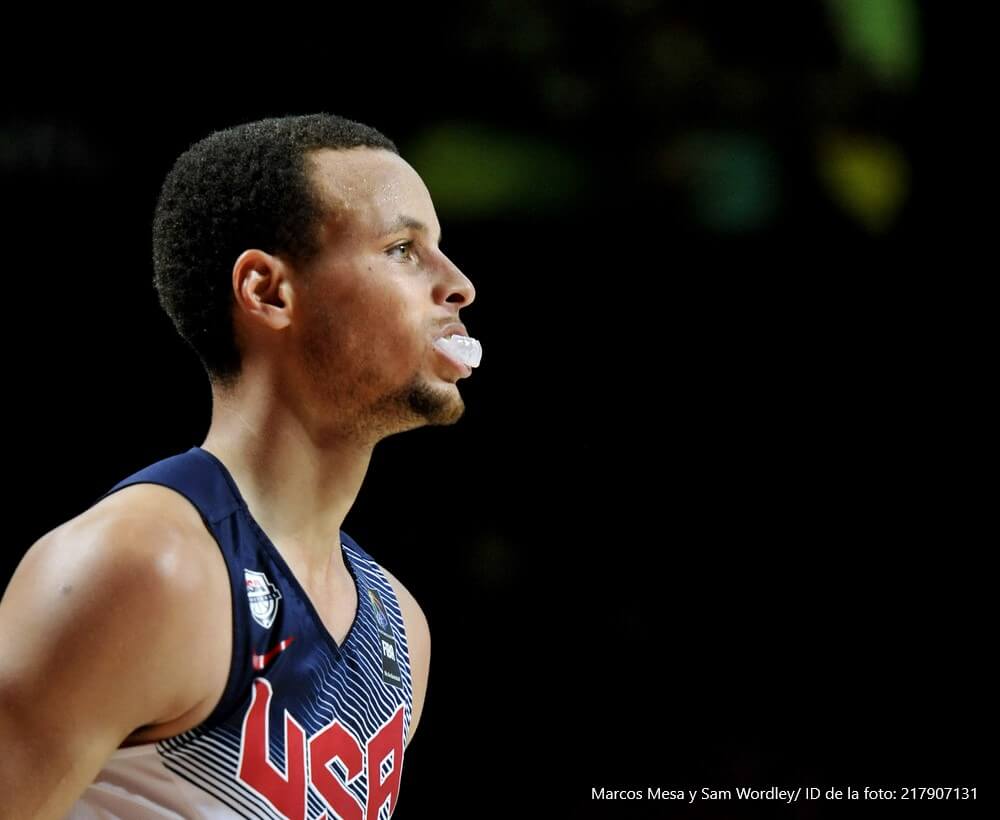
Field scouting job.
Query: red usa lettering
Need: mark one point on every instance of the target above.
(286, 791)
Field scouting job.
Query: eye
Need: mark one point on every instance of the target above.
(404, 250)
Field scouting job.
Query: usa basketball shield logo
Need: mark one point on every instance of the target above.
(263, 597)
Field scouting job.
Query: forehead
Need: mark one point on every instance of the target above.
(370, 188)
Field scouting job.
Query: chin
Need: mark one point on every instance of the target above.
(418, 404)
(435, 405)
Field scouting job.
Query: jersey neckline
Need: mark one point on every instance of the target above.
(278, 559)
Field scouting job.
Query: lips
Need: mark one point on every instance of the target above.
(454, 329)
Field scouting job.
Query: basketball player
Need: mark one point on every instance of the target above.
(205, 641)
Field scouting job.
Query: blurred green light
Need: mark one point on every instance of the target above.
(883, 34)
(475, 171)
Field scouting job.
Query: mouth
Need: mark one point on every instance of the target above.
(454, 329)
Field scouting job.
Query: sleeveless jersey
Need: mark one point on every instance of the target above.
(305, 729)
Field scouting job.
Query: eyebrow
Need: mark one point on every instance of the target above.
(404, 221)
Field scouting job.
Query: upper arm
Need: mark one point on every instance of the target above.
(92, 627)
(418, 639)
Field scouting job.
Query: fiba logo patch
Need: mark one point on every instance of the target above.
(263, 597)
(383, 621)
(387, 641)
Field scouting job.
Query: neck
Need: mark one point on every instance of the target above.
(298, 486)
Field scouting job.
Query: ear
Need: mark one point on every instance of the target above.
(262, 289)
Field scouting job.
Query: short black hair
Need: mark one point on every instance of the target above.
(244, 187)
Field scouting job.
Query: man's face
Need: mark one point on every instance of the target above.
(376, 297)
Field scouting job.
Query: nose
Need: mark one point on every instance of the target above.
(453, 285)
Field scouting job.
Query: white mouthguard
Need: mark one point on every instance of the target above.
(464, 348)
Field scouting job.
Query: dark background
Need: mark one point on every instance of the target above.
(713, 515)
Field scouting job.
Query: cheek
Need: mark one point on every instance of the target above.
(393, 344)
(386, 324)
(367, 335)
(380, 347)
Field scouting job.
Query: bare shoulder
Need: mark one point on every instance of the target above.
(142, 540)
(127, 570)
(139, 529)
(418, 639)
(97, 625)
(150, 508)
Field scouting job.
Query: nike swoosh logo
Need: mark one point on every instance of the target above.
(260, 661)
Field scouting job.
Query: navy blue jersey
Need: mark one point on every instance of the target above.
(305, 728)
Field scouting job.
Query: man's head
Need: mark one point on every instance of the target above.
(244, 187)
(306, 248)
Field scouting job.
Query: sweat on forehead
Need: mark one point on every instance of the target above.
(345, 177)
(377, 187)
